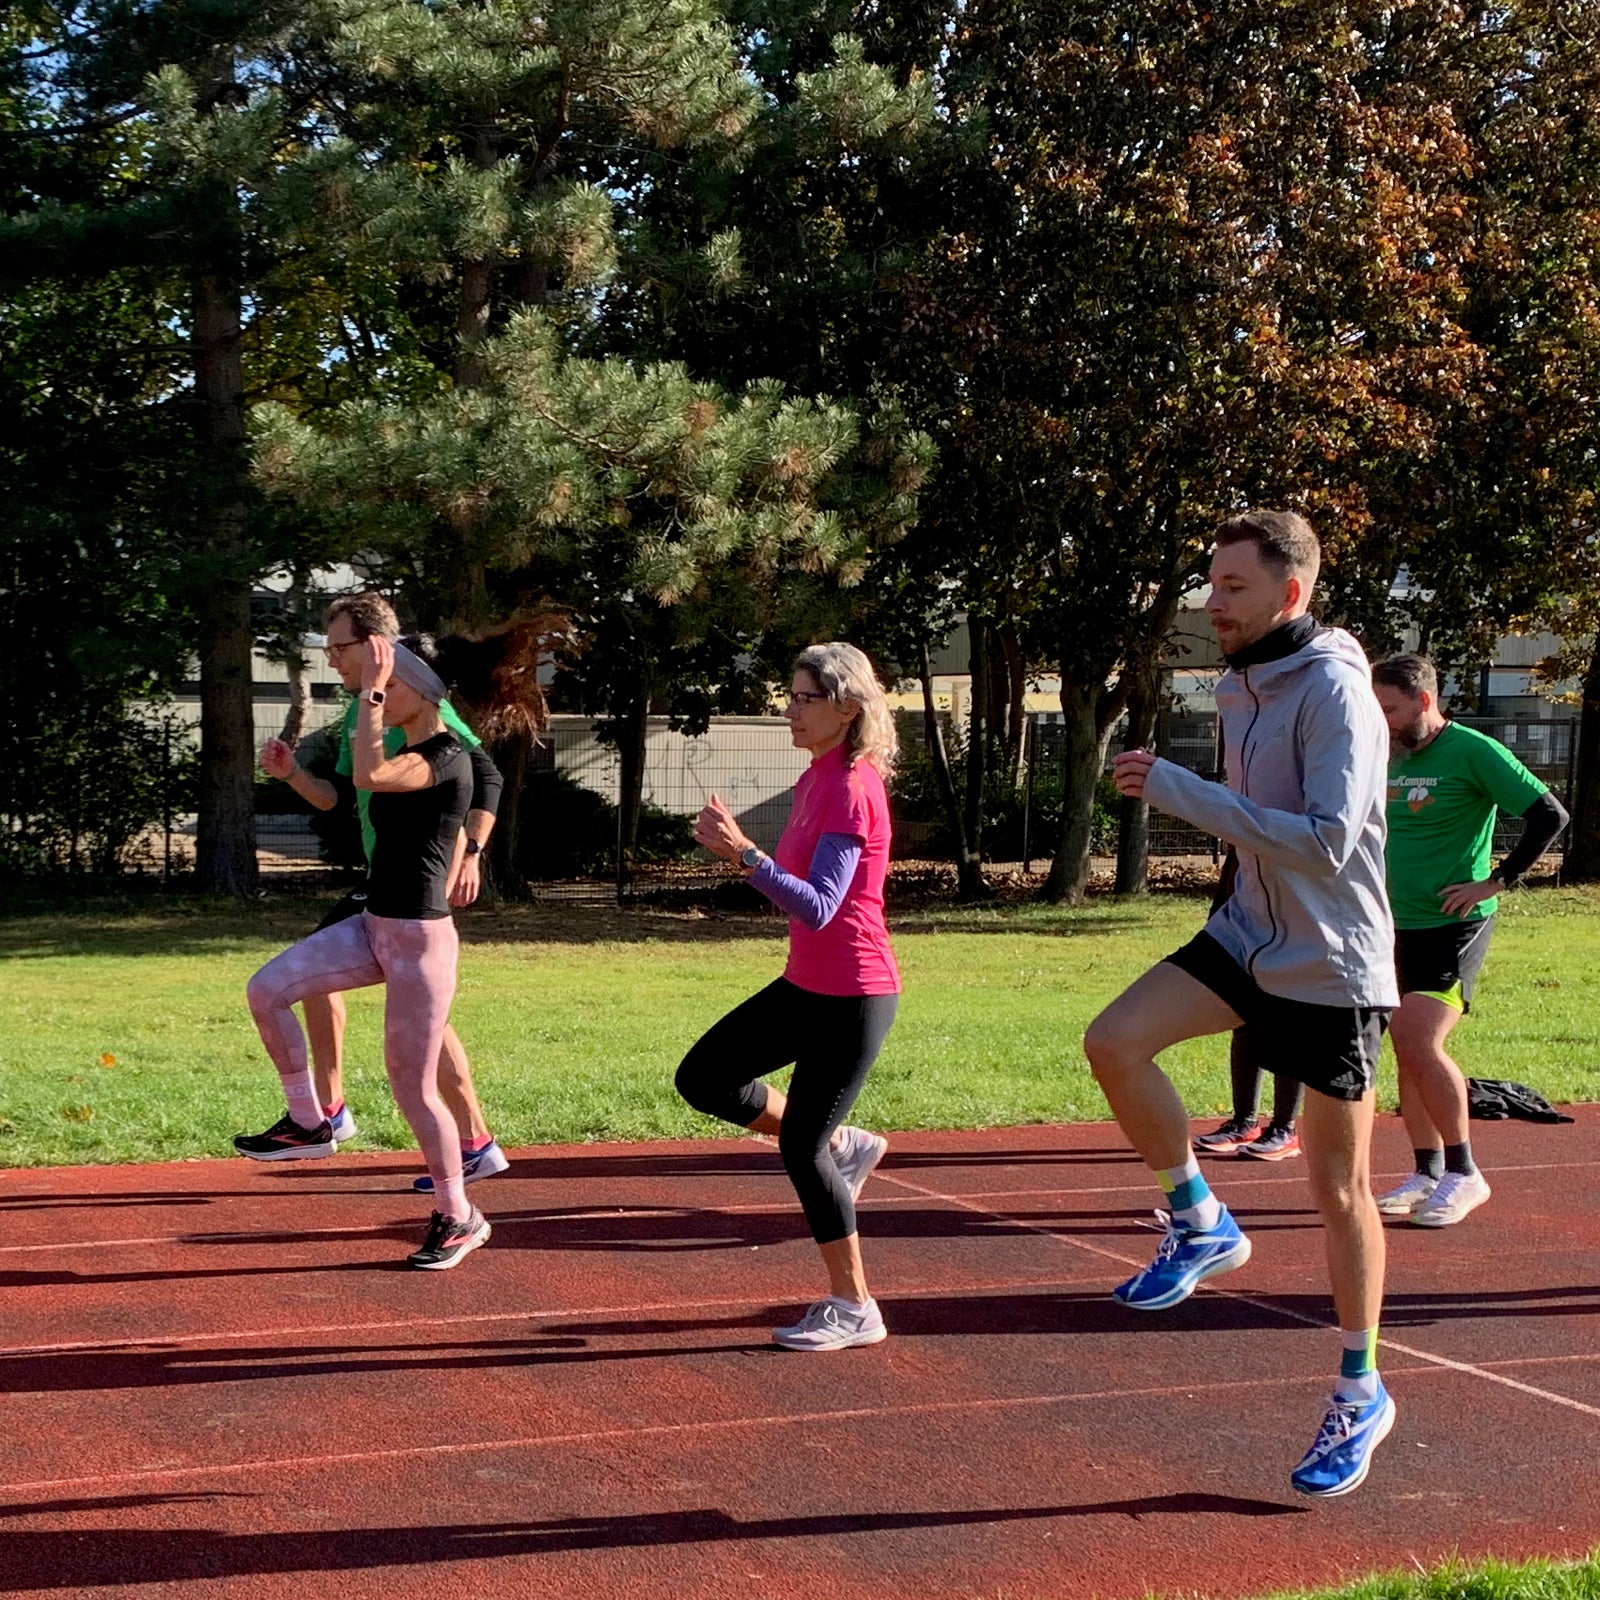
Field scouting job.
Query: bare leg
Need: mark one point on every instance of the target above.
(847, 1278)
(1336, 1136)
(456, 1090)
(1433, 1089)
(1163, 1007)
(325, 1020)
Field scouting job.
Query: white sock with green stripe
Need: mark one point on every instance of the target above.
(1189, 1196)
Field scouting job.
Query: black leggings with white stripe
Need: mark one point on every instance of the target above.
(832, 1041)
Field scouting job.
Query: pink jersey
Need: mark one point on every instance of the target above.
(851, 954)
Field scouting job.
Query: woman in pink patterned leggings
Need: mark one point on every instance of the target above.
(404, 939)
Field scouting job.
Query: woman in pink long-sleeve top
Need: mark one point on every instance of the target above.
(832, 1009)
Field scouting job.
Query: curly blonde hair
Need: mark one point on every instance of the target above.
(845, 675)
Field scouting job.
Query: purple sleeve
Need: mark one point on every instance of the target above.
(815, 898)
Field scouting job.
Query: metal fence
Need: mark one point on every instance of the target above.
(751, 764)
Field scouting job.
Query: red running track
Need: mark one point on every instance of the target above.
(219, 1379)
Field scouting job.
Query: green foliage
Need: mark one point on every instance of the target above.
(569, 831)
(1010, 809)
(100, 780)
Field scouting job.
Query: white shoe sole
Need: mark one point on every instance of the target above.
(1397, 1208)
(855, 1342)
(303, 1152)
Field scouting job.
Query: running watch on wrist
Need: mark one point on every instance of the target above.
(474, 848)
(750, 858)
(374, 697)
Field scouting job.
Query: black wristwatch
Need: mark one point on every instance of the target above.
(750, 858)
(474, 848)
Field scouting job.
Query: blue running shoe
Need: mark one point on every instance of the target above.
(1183, 1260)
(1337, 1461)
(344, 1125)
(484, 1164)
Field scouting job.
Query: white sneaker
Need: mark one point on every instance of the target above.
(1455, 1195)
(855, 1158)
(834, 1324)
(344, 1125)
(1402, 1200)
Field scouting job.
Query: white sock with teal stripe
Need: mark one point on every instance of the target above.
(1189, 1196)
(1358, 1367)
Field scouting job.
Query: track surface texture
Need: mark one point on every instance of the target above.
(219, 1379)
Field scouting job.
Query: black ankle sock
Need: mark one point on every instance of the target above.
(1458, 1158)
(1430, 1163)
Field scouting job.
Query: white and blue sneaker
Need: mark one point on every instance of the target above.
(483, 1163)
(343, 1125)
(1338, 1459)
(1184, 1259)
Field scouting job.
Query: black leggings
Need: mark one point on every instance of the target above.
(1246, 1064)
(833, 1041)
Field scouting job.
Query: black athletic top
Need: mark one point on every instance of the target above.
(417, 831)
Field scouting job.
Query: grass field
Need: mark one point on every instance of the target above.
(124, 1035)
(1493, 1580)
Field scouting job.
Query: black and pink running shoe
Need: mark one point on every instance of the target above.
(1227, 1140)
(286, 1140)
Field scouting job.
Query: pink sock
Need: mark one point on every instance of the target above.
(333, 1110)
(470, 1147)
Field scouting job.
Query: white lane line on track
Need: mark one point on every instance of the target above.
(549, 1314)
(1261, 1304)
(656, 1430)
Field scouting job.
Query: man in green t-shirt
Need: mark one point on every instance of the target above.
(351, 621)
(1446, 784)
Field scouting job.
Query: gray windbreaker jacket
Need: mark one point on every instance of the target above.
(1307, 756)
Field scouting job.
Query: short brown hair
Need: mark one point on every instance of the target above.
(369, 614)
(1410, 674)
(1283, 539)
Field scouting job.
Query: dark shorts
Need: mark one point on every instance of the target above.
(352, 905)
(1442, 962)
(1332, 1049)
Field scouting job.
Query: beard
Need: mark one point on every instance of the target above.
(1411, 737)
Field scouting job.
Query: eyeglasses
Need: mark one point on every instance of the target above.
(335, 649)
(807, 697)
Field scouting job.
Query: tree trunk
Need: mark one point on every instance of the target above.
(1016, 699)
(633, 733)
(225, 844)
(1084, 760)
(1133, 816)
(295, 666)
(505, 879)
(969, 872)
(977, 751)
(1582, 863)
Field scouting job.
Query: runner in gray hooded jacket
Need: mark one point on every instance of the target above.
(1302, 951)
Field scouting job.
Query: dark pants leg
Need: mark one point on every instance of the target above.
(833, 1041)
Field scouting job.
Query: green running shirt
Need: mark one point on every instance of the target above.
(393, 741)
(1442, 803)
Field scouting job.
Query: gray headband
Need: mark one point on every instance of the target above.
(412, 670)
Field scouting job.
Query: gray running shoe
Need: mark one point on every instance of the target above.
(833, 1324)
(1455, 1194)
(857, 1156)
(1405, 1197)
